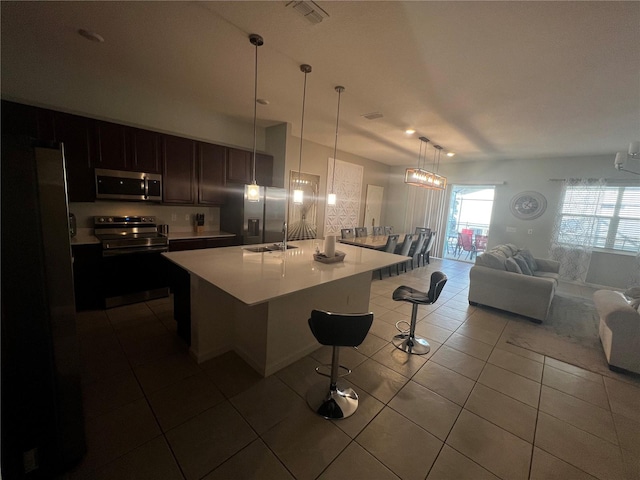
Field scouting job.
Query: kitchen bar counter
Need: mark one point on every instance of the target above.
(258, 303)
(193, 235)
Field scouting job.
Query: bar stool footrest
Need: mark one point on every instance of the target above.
(328, 366)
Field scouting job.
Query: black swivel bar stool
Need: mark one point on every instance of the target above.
(335, 401)
(407, 340)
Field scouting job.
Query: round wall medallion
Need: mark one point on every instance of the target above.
(528, 205)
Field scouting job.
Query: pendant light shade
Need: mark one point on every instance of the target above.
(332, 198)
(252, 191)
(298, 194)
(419, 177)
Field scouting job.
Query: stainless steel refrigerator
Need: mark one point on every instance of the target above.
(42, 420)
(255, 222)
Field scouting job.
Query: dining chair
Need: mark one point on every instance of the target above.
(388, 230)
(347, 233)
(416, 249)
(390, 247)
(424, 255)
(404, 251)
(361, 231)
(480, 243)
(420, 230)
(378, 231)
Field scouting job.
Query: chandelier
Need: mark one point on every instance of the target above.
(419, 177)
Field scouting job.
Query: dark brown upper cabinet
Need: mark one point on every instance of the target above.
(144, 150)
(238, 166)
(74, 132)
(111, 146)
(264, 169)
(212, 160)
(179, 163)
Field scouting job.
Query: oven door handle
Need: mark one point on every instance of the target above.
(133, 250)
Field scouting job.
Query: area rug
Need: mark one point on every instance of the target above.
(570, 334)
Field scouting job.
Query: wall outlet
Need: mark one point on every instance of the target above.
(174, 217)
(511, 229)
(530, 231)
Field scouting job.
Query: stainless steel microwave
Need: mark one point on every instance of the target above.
(123, 185)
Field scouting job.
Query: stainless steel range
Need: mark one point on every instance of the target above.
(132, 268)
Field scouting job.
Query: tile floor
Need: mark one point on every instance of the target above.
(472, 408)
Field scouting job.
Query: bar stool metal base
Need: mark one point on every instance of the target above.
(411, 344)
(332, 404)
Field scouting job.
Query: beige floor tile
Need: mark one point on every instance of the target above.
(377, 309)
(445, 382)
(578, 413)
(581, 449)
(231, 374)
(204, 442)
(579, 372)
(91, 323)
(401, 445)
(177, 403)
(356, 462)
(506, 412)
(468, 345)
(511, 384)
(102, 357)
(368, 408)
(253, 461)
(631, 465)
(452, 465)
(432, 332)
(577, 386)
(442, 321)
(488, 322)
(547, 467)
(268, 402)
(523, 352)
(460, 362)
(516, 364)
(151, 460)
(382, 329)
(402, 362)
(393, 316)
(385, 302)
(497, 450)
(371, 345)
(628, 433)
(478, 333)
(110, 393)
(155, 343)
(165, 372)
(306, 443)
(624, 398)
(455, 313)
(378, 380)
(429, 410)
(116, 433)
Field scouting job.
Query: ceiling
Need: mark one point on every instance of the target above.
(486, 80)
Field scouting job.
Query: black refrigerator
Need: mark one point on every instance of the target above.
(41, 414)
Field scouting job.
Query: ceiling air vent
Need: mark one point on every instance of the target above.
(372, 115)
(309, 10)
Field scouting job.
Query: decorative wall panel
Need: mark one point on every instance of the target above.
(303, 219)
(348, 188)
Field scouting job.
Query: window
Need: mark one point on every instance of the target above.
(601, 216)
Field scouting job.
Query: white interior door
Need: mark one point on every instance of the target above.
(373, 206)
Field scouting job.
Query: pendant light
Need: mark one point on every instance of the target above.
(419, 177)
(332, 199)
(253, 190)
(298, 194)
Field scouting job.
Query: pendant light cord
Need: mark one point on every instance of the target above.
(306, 69)
(339, 89)
(255, 113)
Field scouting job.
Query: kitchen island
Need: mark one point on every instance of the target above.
(258, 303)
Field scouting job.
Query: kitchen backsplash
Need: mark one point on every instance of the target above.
(179, 219)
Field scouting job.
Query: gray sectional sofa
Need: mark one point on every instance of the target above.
(511, 279)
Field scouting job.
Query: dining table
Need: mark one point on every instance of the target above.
(375, 242)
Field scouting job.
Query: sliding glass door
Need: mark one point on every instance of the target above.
(468, 222)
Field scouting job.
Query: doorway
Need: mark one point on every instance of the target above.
(469, 218)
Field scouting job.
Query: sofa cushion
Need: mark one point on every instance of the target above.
(526, 254)
(551, 275)
(512, 266)
(492, 260)
(522, 263)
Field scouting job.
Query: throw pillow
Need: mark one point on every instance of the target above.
(491, 260)
(635, 304)
(512, 266)
(528, 256)
(512, 247)
(633, 292)
(522, 263)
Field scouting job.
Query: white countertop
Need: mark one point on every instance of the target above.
(195, 235)
(255, 278)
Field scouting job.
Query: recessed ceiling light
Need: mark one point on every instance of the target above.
(409, 131)
(450, 154)
(262, 101)
(93, 36)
